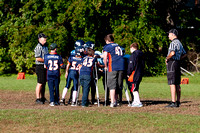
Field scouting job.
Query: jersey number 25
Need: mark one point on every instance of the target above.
(53, 65)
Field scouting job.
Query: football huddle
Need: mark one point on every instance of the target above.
(85, 66)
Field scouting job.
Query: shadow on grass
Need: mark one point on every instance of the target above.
(156, 102)
(144, 102)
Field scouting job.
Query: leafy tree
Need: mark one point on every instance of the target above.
(64, 22)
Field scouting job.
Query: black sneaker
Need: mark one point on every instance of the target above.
(62, 102)
(73, 104)
(171, 105)
(69, 101)
(38, 101)
(44, 100)
(178, 103)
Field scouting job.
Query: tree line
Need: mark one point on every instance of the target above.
(143, 21)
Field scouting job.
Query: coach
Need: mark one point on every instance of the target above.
(40, 51)
(175, 53)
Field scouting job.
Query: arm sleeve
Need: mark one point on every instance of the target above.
(132, 64)
(61, 61)
(172, 46)
(38, 52)
(106, 48)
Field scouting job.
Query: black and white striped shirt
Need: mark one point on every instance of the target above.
(177, 47)
(40, 50)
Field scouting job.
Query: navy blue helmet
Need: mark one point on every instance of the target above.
(79, 50)
(79, 43)
(89, 44)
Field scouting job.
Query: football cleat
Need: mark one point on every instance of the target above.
(62, 102)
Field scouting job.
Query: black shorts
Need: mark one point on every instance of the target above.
(41, 74)
(115, 80)
(173, 72)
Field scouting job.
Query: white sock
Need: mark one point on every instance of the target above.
(74, 96)
(136, 97)
(64, 93)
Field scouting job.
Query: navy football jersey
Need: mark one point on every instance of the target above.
(87, 65)
(53, 61)
(74, 61)
(115, 57)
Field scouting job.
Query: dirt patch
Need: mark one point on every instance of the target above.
(26, 100)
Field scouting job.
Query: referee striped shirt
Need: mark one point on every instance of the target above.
(40, 50)
(177, 47)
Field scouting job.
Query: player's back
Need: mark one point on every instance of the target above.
(87, 65)
(74, 62)
(53, 63)
(115, 57)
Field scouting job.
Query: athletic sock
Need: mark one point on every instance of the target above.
(136, 97)
(64, 93)
(74, 96)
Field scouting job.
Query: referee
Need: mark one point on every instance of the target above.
(40, 51)
(175, 53)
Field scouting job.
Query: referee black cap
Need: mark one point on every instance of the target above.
(174, 31)
(42, 35)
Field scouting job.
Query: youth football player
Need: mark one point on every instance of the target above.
(113, 53)
(135, 72)
(72, 75)
(53, 62)
(86, 70)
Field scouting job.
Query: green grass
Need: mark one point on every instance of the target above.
(150, 87)
(102, 119)
(157, 87)
(94, 121)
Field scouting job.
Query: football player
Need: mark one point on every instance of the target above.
(72, 74)
(86, 70)
(53, 62)
(72, 54)
(90, 45)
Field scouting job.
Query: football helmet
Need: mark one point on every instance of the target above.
(89, 44)
(79, 50)
(79, 43)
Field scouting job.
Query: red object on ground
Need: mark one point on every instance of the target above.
(21, 75)
(185, 81)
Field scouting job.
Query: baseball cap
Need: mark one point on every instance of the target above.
(174, 31)
(41, 35)
(53, 46)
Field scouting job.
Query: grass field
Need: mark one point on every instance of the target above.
(19, 113)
